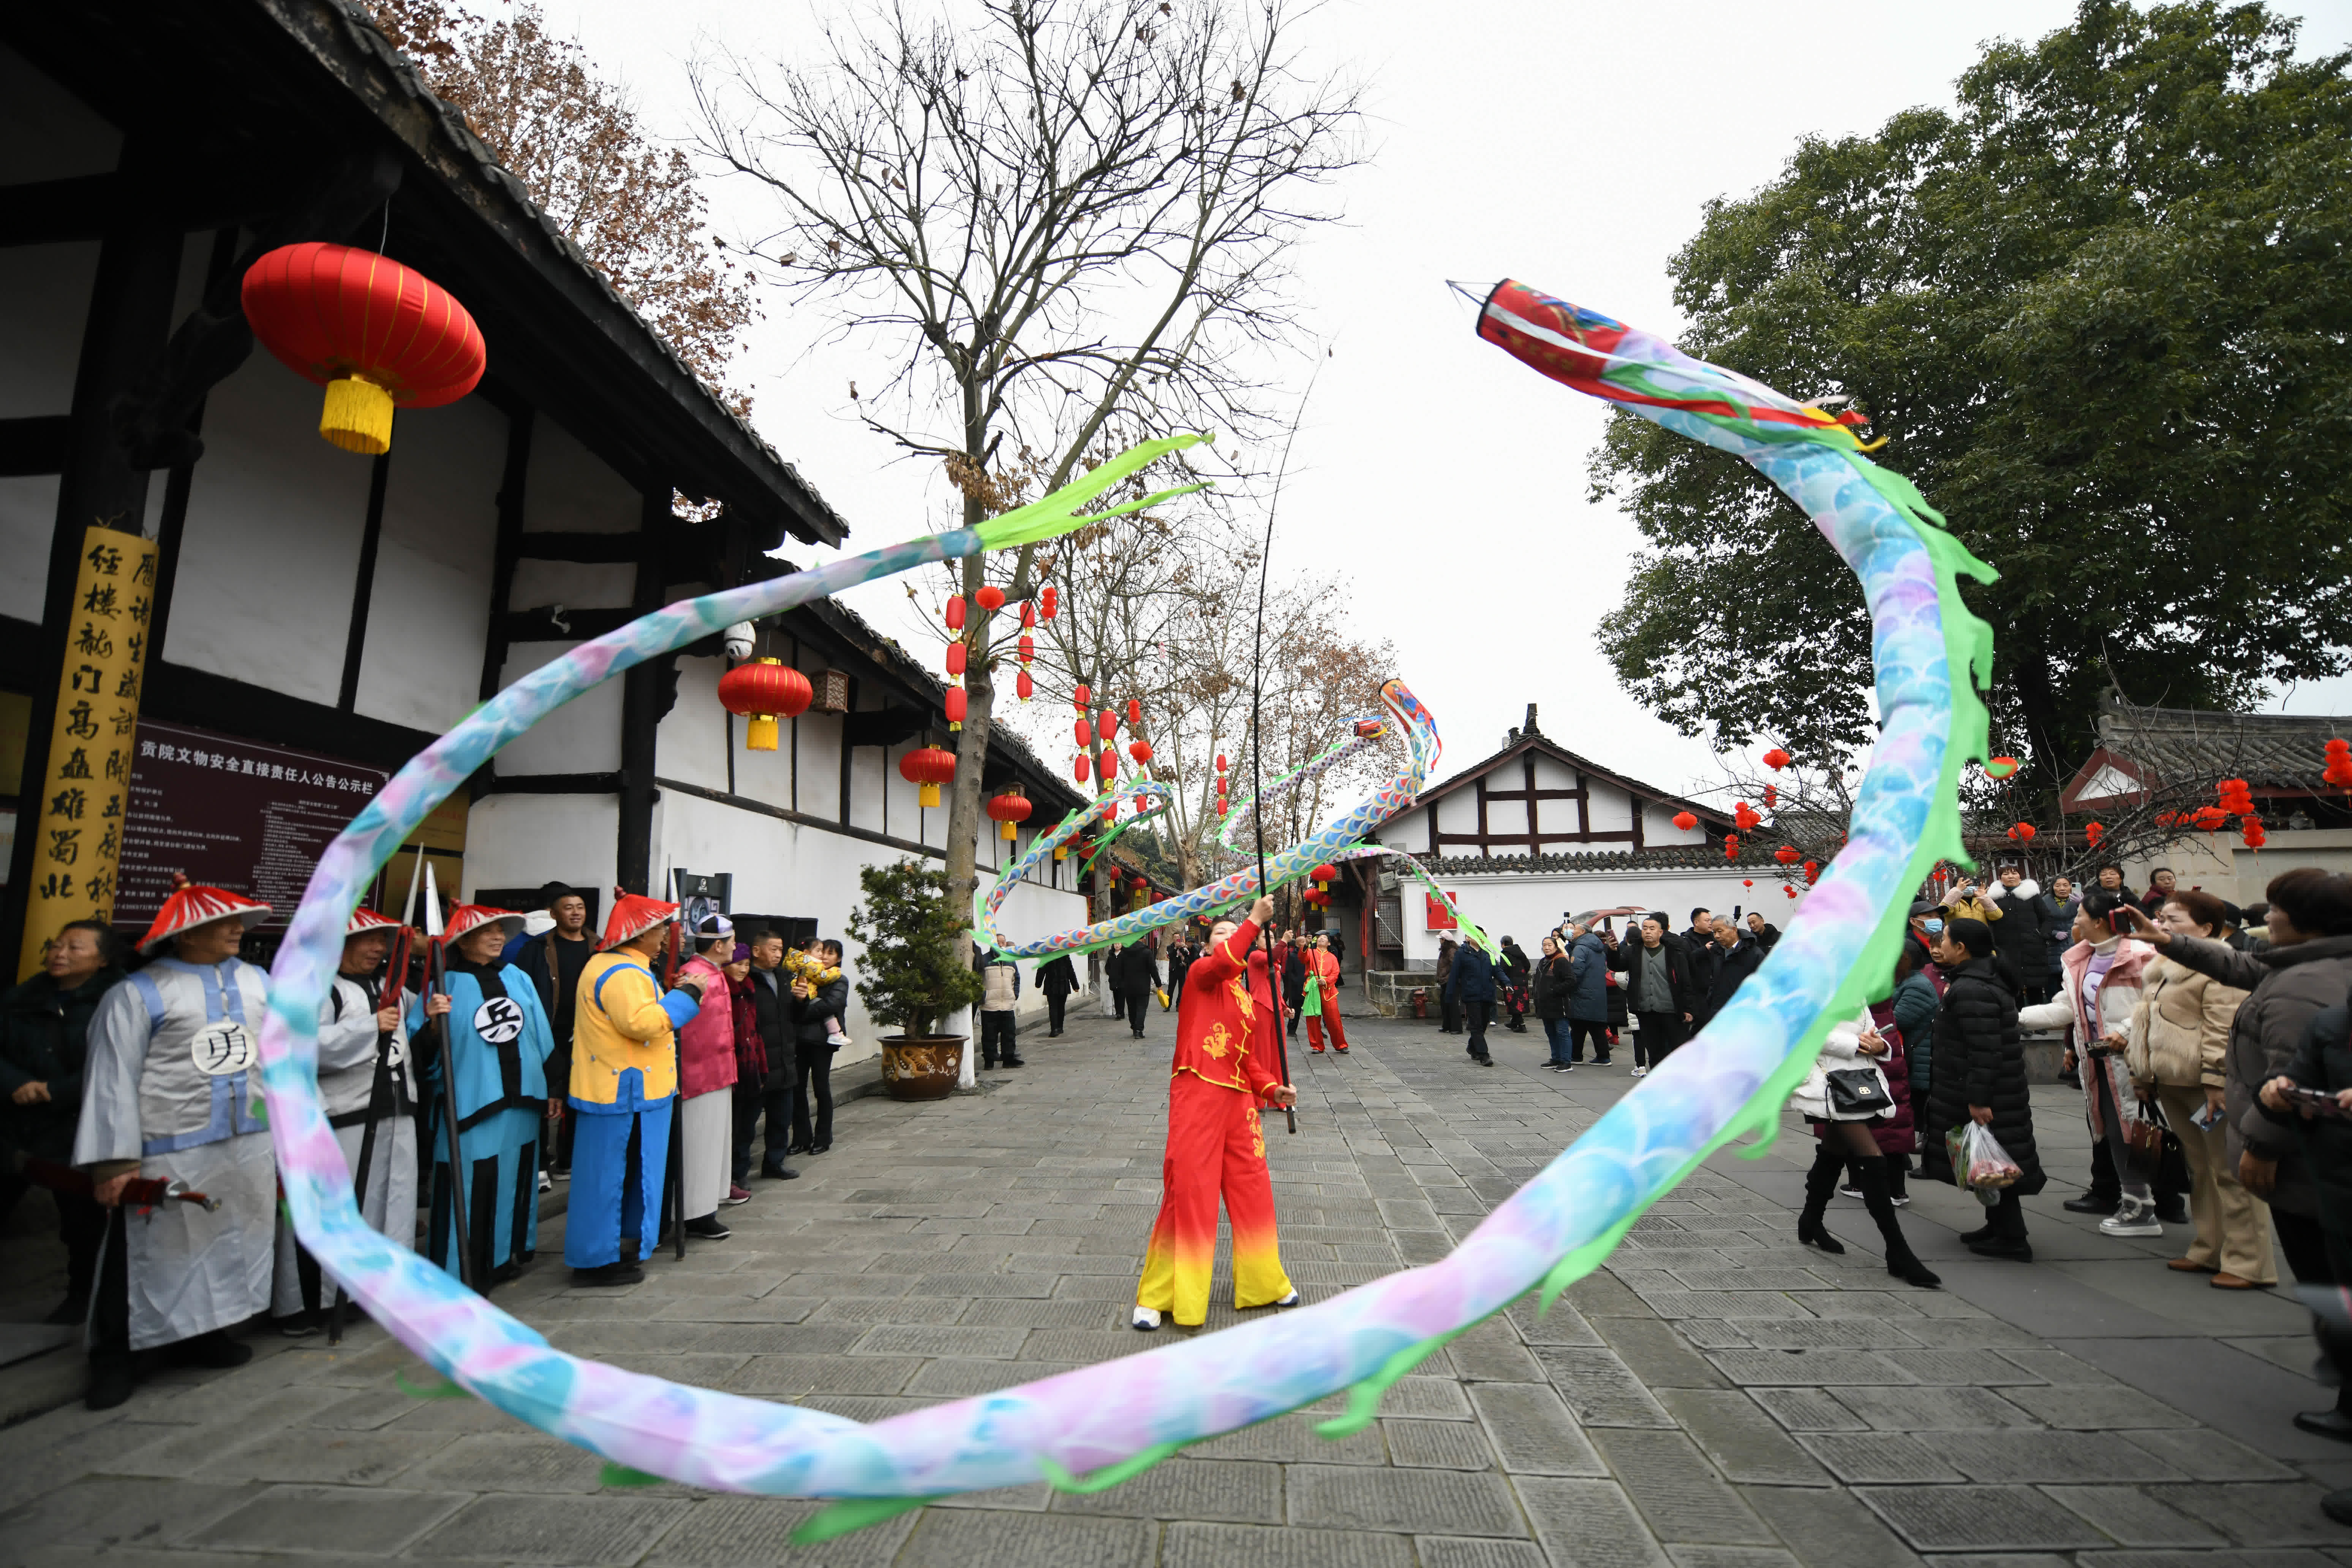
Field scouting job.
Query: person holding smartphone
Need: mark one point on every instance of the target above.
(2100, 982)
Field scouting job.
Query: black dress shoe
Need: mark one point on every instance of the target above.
(2172, 1211)
(623, 1272)
(2337, 1505)
(1982, 1232)
(1009, 1061)
(827, 1147)
(112, 1381)
(780, 1172)
(1996, 1246)
(214, 1350)
(2090, 1203)
(709, 1228)
(2324, 1424)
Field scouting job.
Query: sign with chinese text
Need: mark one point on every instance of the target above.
(235, 814)
(76, 819)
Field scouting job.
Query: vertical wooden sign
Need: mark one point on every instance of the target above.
(75, 816)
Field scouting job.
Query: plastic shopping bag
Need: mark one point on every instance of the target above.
(1978, 1162)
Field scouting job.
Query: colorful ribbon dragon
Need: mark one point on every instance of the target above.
(1096, 1425)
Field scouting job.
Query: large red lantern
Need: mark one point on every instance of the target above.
(1685, 820)
(989, 598)
(375, 334)
(1008, 809)
(1787, 855)
(765, 690)
(1140, 751)
(2023, 832)
(1746, 817)
(930, 767)
(1776, 759)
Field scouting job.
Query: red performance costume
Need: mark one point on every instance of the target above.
(1224, 1067)
(1323, 974)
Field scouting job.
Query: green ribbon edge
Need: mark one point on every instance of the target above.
(1056, 514)
(1109, 1476)
(619, 1475)
(1967, 651)
(443, 1390)
(856, 1513)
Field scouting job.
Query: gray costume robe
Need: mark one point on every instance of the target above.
(347, 1078)
(173, 1081)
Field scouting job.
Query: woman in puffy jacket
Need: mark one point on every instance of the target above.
(1847, 1136)
(2177, 1046)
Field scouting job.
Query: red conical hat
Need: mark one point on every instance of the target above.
(364, 919)
(191, 905)
(633, 915)
(466, 918)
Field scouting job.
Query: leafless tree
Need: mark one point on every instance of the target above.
(1063, 222)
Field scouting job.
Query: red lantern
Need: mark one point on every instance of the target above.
(1084, 697)
(1776, 759)
(1028, 614)
(376, 335)
(1140, 751)
(2339, 771)
(2093, 832)
(991, 598)
(2210, 817)
(1107, 765)
(1326, 874)
(1025, 649)
(956, 657)
(1049, 603)
(1787, 855)
(1086, 734)
(1999, 767)
(1731, 846)
(955, 612)
(1081, 767)
(1024, 685)
(2023, 832)
(2251, 831)
(1746, 881)
(1682, 819)
(764, 690)
(1745, 816)
(957, 705)
(1771, 796)
(1813, 870)
(1221, 762)
(930, 767)
(1008, 809)
(1106, 725)
(1135, 710)
(1788, 889)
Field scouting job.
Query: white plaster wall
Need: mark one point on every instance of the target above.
(1526, 907)
(819, 739)
(1609, 809)
(1407, 830)
(45, 301)
(584, 736)
(1658, 829)
(867, 770)
(569, 490)
(272, 544)
(1505, 817)
(523, 841)
(575, 585)
(46, 133)
(428, 611)
(693, 743)
(28, 522)
(1555, 817)
(1458, 812)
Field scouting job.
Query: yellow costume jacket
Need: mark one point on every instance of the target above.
(623, 1056)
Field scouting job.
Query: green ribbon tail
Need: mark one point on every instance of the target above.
(1109, 1476)
(852, 1513)
(1051, 516)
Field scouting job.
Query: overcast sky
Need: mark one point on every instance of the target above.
(1569, 145)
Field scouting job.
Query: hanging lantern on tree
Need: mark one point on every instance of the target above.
(1134, 710)
(1025, 686)
(1746, 881)
(991, 598)
(2093, 832)
(1086, 734)
(1009, 810)
(1812, 871)
(2023, 832)
(1140, 751)
(2250, 829)
(375, 334)
(1106, 725)
(2209, 817)
(1787, 855)
(958, 655)
(1771, 796)
(764, 690)
(1999, 767)
(1084, 697)
(1682, 819)
(1049, 602)
(930, 767)
(956, 705)
(1731, 846)
(1788, 889)
(1744, 816)
(1082, 767)
(955, 612)
(1107, 765)
(1776, 759)
(1028, 615)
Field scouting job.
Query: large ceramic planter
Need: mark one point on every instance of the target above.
(922, 1067)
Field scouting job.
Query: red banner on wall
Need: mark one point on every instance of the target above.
(232, 813)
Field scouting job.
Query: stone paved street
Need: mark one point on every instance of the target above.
(1718, 1397)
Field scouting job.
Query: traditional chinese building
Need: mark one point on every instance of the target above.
(266, 626)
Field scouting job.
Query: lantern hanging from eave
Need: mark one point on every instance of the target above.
(2337, 773)
(1325, 875)
(764, 690)
(930, 767)
(376, 335)
(1008, 810)
(1682, 819)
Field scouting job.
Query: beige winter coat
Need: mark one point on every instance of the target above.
(2179, 1032)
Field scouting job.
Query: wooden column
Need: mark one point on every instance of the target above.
(643, 689)
(129, 322)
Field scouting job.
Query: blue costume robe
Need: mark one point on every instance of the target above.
(499, 1036)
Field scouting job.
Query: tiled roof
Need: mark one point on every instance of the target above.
(1680, 858)
(2182, 745)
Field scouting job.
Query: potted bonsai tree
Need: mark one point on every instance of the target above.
(910, 976)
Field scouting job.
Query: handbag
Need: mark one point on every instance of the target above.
(1858, 1092)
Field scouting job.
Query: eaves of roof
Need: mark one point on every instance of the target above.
(1708, 814)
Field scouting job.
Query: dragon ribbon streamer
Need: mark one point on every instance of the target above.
(1096, 1425)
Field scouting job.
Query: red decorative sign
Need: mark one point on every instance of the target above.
(1440, 917)
(231, 814)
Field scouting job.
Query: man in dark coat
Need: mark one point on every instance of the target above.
(771, 1004)
(44, 1026)
(1734, 960)
(1516, 970)
(1658, 990)
(1181, 955)
(1133, 976)
(1587, 995)
(1056, 977)
(1449, 1020)
(1977, 1073)
(813, 1048)
(1704, 957)
(1472, 986)
(1292, 952)
(553, 960)
(2022, 933)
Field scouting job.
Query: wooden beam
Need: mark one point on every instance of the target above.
(34, 446)
(642, 704)
(606, 548)
(554, 783)
(545, 625)
(363, 583)
(512, 485)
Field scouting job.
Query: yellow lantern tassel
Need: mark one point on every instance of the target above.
(930, 796)
(759, 733)
(357, 417)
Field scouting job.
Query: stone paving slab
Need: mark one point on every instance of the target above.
(1715, 1397)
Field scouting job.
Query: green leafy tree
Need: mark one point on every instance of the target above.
(2101, 308)
(912, 975)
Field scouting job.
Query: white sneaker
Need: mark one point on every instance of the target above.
(837, 1041)
(2132, 1217)
(1289, 1300)
(1641, 1072)
(1144, 1320)
(546, 1182)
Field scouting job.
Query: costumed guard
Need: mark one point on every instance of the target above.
(706, 1049)
(624, 1076)
(363, 1088)
(500, 1039)
(1224, 1067)
(172, 1091)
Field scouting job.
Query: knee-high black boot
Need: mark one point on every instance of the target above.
(1820, 1182)
(1900, 1260)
